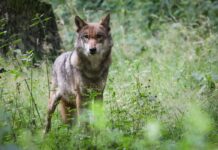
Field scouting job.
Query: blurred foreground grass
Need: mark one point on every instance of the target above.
(162, 93)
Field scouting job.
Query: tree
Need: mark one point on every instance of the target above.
(28, 25)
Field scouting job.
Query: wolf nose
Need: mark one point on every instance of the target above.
(92, 50)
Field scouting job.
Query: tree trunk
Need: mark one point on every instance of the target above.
(28, 25)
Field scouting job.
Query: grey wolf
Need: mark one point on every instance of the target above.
(77, 72)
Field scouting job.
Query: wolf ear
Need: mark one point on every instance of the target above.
(106, 22)
(79, 23)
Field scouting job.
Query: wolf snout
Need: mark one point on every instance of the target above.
(92, 50)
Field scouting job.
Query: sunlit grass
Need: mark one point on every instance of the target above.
(161, 94)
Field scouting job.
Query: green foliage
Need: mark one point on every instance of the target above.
(162, 90)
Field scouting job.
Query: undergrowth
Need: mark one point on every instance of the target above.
(162, 93)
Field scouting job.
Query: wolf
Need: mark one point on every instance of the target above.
(80, 71)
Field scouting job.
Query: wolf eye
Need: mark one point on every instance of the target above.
(99, 36)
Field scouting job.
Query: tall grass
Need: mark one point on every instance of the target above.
(161, 94)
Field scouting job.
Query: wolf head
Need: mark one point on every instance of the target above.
(93, 39)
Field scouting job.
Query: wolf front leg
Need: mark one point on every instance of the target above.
(82, 112)
(78, 107)
(67, 111)
(81, 109)
(53, 102)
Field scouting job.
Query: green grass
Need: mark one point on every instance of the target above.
(161, 94)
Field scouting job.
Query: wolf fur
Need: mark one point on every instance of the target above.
(77, 72)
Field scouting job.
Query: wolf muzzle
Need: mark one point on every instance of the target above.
(92, 50)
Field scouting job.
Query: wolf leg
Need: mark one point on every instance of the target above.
(53, 102)
(81, 109)
(78, 106)
(67, 111)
